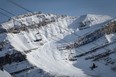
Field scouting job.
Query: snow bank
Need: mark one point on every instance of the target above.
(4, 74)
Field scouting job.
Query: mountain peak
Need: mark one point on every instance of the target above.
(41, 43)
(87, 20)
(92, 19)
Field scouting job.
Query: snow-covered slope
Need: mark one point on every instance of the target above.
(85, 21)
(4, 74)
(47, 45)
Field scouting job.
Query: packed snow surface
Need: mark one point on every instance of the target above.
(4, 74)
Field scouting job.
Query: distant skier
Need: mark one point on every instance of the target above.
(93, 66)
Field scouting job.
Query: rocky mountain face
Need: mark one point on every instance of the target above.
(48, 45)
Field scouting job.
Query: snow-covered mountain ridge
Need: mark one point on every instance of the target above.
(48, 45)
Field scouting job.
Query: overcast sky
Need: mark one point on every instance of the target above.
(68, 7)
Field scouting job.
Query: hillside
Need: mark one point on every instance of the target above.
(48, 45)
